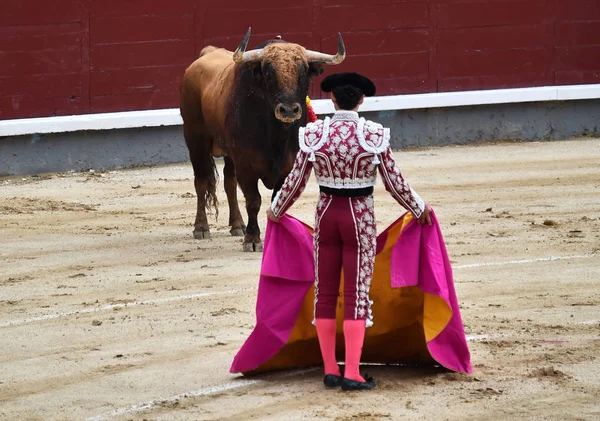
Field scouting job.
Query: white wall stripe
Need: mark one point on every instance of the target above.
(172, 117)
(45, 317)
(483, 97)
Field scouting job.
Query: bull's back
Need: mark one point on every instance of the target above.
(206, 86)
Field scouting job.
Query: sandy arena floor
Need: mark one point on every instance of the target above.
(109, 309)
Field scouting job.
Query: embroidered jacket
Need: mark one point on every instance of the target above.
(345, 152)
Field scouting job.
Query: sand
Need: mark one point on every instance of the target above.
(109, 309)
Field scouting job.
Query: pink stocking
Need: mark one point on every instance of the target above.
(326, 333)
(354, 335)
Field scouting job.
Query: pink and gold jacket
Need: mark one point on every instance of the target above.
(345, 151)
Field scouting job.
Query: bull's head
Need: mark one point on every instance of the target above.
(285, 69)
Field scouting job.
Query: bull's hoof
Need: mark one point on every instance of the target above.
(237, 232)
(251, 246)
(202, 235)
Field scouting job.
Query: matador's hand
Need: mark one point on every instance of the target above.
(272, 216)
(425, 218)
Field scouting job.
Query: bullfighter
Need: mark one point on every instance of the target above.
(346, 152)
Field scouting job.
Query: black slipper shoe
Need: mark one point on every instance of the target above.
(368, 384)
(331, 380)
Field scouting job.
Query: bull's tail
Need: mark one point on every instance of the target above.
(211, 189)
(205, 170)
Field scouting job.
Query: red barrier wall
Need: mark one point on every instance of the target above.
(88, 56)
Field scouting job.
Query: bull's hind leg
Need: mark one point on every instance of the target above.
(201, 229)
(204, 181)
(236, 222)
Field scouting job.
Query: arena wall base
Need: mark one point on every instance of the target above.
(556, 120)
(147, 146)
(97, 150)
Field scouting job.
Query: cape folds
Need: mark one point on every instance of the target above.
(415, 312)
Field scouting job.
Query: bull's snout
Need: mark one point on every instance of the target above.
(288, 113)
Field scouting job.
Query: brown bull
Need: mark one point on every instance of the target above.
(246, 107)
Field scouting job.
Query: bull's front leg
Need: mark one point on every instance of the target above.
(238, 229)
(252, 241)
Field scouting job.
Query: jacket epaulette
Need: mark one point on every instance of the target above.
(313, 136)
(375, 137)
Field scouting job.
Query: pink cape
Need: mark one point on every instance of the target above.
(419, 316)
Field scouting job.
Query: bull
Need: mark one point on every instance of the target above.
(247, 107)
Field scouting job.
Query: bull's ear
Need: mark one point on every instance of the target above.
(315, 69)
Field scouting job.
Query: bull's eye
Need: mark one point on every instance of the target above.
(269, 72)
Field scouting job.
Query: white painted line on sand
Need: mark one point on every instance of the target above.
(517, 262)
(193, 394)
(476, 337)
(45, 317)
(207, 294)
(186, 395)
(214, 389)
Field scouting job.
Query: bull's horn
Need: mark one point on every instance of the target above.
(315, 56)
(242, 56)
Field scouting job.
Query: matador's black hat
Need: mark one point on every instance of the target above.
(361, 82)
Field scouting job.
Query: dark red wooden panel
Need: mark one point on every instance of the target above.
(500, 81)
(43, 86)
(401, 85)
(577, 10)
(141, 80)
(37, 12)
(386, 66)
(139, 50)
(85, 57)
(377, 42)
(231, 43)
(237, 5)
(433, 53)
(117, 30)
(304, 39)
(385, 86)
(22, 63)
(492, 37)
(140, 8)
(141, 101)
(575, 77)
(264, 21)
(27, 106)
(362, 2)
(491, 62)
(578, 58)
(577, 33)
(490, 13)
(376, 16)
(40, 37)
(146, 54)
